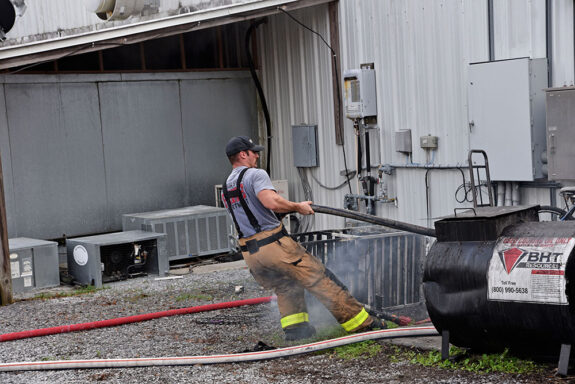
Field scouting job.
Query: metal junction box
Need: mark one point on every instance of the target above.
(190, 231)
(507, 116)
(560, 114)
(33, 264)
(304, 139)
(95, 260)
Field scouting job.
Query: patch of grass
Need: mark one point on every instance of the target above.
(485, 363)
(191, 296)
(363, 350)
(76, 292)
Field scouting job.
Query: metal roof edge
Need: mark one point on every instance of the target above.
(130, 33)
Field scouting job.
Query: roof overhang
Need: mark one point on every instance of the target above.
(46, 50)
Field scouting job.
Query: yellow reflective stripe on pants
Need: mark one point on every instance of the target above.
(296, 318)
(356, 321)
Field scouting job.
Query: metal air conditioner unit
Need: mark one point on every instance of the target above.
(33, 264)
(95, 260)
(198, 230)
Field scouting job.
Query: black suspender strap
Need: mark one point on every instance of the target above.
(229, 203)
(238, 193)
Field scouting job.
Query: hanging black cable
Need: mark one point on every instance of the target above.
(334, 58)
(248, 39)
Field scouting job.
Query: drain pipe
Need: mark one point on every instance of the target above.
(374, 220)
(131, 319)
(220, 359)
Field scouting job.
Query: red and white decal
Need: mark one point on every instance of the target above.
(529, 270)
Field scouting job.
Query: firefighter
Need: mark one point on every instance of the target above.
(275, 260)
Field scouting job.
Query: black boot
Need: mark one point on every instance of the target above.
(299, 332)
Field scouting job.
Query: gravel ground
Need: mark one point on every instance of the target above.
(217, 332)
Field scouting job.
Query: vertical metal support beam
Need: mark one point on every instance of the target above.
(336, 81)
(5, 275)
(564, 359)
(444, 344)
(549, 40)
(491, 30)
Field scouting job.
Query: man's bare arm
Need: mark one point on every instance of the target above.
(272, 200)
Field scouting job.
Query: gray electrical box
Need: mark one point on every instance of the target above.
(403, 141)
(33, 264)
(507, 116)
(198, 230)
(428, 142)
(304, 140)
(560, 112)
(95, 260)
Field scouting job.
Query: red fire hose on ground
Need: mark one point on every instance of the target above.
(131, 319)
(400, 320)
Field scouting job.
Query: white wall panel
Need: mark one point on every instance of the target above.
(520, 29)
(562, 64)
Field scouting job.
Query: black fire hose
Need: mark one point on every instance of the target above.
(374, 220)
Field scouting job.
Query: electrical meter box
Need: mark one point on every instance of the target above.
(33, 264)
(360, 93)
(95, 260)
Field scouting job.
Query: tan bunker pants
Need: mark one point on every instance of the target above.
(289, 270)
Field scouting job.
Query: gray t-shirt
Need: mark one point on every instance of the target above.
(254, 181)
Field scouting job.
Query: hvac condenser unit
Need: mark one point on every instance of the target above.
(199, 230)
(33, 264)
(95, 260)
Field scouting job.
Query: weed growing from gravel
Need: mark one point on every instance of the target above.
(464, 361)
(191, 296)
(363, 350)
(76, 292)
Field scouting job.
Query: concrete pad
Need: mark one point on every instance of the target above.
(429, 343)
(240, 264)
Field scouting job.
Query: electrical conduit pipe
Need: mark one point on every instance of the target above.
(131, 319)
(219, 359)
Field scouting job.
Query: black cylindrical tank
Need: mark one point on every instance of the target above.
(498, 278)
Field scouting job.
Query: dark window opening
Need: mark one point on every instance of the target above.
(201, 49)
(163, 54)
(218, 48)
(124, 58)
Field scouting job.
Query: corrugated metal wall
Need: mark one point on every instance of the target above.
(421, 50)
(78, 151)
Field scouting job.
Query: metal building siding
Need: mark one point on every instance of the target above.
(519, 28)
(421, 50)
(296, 75)
(50, 16)
(421, 60)
(80, 150)
(55, 179)
(563, 42)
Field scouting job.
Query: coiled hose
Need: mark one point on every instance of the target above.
(374, 220)
(219, 359)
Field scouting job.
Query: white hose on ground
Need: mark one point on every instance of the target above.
(220, 359)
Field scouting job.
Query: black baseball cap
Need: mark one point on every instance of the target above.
(241, 143)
